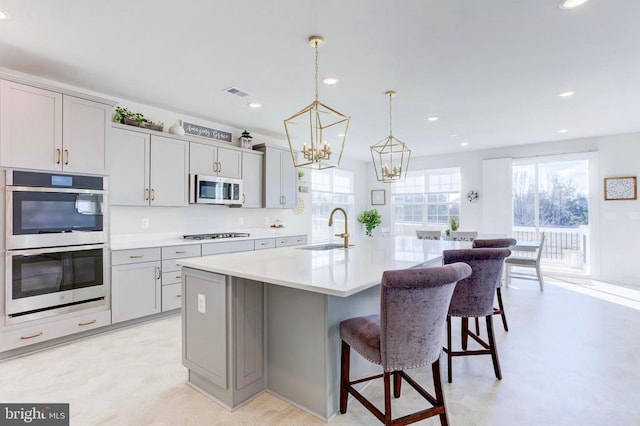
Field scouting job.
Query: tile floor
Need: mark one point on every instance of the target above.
(569, 359)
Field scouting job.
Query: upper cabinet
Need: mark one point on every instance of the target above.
(280, 178)
(252, 179)
(215, 160)
(148, 169)
(44, 130)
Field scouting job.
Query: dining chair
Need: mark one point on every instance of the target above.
(526, 262)
(473, 297)
(428, 235)
(495, 243)
(463, 235)
(406, 334)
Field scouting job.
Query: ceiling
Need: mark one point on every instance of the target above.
(491, 70)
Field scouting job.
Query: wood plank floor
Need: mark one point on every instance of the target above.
(569, 359)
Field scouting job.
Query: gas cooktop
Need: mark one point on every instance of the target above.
(216, 236)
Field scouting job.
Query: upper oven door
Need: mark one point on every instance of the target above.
(49, 217)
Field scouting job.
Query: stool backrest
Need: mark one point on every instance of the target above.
(494, 243)
(473, 296)
(413, 311)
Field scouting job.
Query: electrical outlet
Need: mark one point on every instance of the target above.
(145, 223)
(202, 306)
(240, 220)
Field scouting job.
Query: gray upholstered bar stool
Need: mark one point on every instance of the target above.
(473, 297)
(496, 243)
(408, 333)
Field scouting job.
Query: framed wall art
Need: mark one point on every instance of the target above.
(620, 188)
(378, 197)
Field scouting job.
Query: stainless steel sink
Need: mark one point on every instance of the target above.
(329, 246)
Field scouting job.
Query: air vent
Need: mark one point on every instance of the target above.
(237, 92)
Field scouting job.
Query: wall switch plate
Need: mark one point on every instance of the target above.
(202, 308)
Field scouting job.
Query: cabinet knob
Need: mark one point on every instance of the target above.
(136, 256)
(180, 252)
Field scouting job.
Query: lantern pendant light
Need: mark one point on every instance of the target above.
(390, 155)
(317, 133)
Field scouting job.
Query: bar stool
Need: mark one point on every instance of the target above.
(473, 297)
(408, 333)
(496, 243)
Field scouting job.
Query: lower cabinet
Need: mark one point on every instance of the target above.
(14, 339)
(223, 321)
(135, 284)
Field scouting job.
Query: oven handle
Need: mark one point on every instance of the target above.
(50, 189)
(32, 252)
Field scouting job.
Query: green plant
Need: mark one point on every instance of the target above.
(453, 225)
(122, 113)
(370, 219)
(300, 173)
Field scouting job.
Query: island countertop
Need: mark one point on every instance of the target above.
(338, 272)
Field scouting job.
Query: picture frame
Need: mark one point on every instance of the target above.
(620, 188)
(378, 197)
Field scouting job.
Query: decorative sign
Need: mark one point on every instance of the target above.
(620, 188)
(205, 132)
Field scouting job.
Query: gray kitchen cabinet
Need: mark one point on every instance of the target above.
(252, 165)
(172, 274)
(213, 160)
(229, 312)
(264, 243)
(149, 170)
(45, 130)
(227, 247)
(135, 283)
(280, 178)
(295, 240)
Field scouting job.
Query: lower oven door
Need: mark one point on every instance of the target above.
(41, 280)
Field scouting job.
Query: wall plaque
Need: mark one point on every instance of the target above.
(206, 132)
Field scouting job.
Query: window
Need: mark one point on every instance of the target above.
(330, 188)
(426, 198)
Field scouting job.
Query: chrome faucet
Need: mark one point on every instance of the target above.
(345, 234)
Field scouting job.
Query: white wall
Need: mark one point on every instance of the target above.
(616, 231)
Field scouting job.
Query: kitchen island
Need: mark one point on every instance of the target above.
(269, 320)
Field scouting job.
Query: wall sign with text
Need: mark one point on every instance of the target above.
(206, 132)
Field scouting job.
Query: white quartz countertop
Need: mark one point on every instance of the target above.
(339, 272)
(137, 241)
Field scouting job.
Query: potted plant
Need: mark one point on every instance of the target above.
(125, 116)
(370, 219)
(453, 226)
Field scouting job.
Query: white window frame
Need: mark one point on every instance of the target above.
(320, 231)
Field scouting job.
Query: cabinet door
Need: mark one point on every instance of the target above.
(169, 165)
(229, 163)
(135, 290)
(288, 181)
(30, 127)
(272, 196)
(252, 179)
(129, 158)
(202, 159)
(84, 133)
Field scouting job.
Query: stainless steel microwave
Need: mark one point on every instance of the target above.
(214, 190)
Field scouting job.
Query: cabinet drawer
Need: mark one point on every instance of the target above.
(123, 257)
(171, 277)
(171, 297)
(227, 247)
(265, 243)
(179, 252)
(30, 335)
(291, 241)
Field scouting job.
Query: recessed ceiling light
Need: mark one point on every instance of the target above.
(563, 130)
(567, 94)
(433, 118)
(570, 4)
(330, 80)
(255, 105)
(340, 135)
(464, 143)
(4, 16)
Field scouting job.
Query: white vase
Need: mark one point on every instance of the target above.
(177, 129)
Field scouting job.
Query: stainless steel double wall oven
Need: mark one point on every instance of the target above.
(55, 259)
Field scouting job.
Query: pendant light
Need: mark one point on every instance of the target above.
(316, 134)
(390, 155)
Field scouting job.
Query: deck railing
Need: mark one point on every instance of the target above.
(561, 245)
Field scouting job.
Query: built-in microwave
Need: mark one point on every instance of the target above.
(214, 190)
(53, 209)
